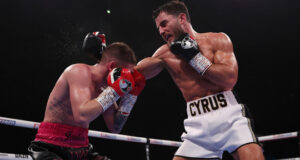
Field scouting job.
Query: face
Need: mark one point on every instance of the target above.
(169, 26)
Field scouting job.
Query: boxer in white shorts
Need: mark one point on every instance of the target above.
(215, 123)
(203, 66)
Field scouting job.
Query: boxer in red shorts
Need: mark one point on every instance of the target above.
(80, 95)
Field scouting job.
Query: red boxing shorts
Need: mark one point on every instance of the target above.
(62, 135)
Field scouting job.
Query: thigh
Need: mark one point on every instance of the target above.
(95, 155)
(250, 151)
(38, 152)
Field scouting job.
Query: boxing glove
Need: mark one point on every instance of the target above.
(94, 43)
(187, 48)
(128, 100)
(120, 82)
(139, 81)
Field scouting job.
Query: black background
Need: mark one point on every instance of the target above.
(40, 38)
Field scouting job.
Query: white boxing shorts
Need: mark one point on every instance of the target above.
(215, 124)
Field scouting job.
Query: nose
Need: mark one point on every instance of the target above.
(161, 31)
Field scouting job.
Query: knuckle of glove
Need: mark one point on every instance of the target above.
(140, 83)
(185, 47)
(177, 46)
(121, 80)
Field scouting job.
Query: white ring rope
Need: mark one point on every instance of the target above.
(97, 134)
(10, 156)
(278, 136)
(112, 136)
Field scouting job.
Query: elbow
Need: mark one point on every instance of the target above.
(230, 79)
(117, 128)
(81, 119)
(230, 83)
(114, 130)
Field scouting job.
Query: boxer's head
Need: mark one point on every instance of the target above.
(118, 54)
(171, 19)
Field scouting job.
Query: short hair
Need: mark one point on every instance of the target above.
(174, 8)
(119, 51)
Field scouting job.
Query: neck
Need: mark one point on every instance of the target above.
(188, 28)
(99, 72)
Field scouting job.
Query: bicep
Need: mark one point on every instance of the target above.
(79, 94)
(225, 58)
(224, 54)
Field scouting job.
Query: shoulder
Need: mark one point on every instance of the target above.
(77, 71)
(161, 50)
(214, 36)
(218, 41)
(77, 67)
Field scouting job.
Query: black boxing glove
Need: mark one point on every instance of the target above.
(187, 48)
(94, 44)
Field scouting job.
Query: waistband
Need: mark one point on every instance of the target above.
(62, 135)
(210, 103)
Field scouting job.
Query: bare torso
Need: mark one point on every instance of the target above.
(190, 82)
(59, 108)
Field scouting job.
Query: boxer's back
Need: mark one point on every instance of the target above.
(59, 109)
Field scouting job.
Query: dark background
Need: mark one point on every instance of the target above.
(40, 38)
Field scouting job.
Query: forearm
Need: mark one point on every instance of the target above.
(221, 75)
(89, 111)
(114, 120)
(126, 104)
(119, 122)
(93, 108)
(150, 67)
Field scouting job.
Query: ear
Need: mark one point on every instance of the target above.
(111, 65)
(182, 18)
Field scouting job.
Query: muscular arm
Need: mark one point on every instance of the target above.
(114, 118)
(85, 109)
(110, 119)
(151, 66)
(224, 70)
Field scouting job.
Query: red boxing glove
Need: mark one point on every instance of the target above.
(121, 80)
(140, 83)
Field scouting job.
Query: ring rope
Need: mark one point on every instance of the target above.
(113, 136)
(92, 133)
(10, 156)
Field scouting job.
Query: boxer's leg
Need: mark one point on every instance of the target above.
(95, 155)
(38, 152)
(250, 151)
